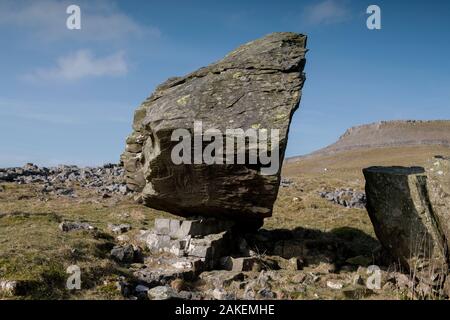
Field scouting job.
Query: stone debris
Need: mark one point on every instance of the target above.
(119, 228)
(239, 264)
(107, 179)
(409, 211)
(123, 238)
(141, 291)
(334, 285)
(9, 288)
(162, 293)
(346, 197)
(126, 253)
(67, 226)
(164, 269)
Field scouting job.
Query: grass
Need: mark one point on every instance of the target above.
(34, 250)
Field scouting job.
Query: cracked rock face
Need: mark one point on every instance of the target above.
(256, 86)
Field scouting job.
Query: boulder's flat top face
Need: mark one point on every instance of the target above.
(257, 86)
(395, 170)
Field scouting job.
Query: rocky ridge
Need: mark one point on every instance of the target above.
(106, 180)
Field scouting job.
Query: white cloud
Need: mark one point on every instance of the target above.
(81, 64)
(46, 20)
(327, 12)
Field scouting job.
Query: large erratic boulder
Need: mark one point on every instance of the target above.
(256, 86)
(410, 210)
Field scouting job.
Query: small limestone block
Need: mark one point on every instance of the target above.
(210, 247)
(239, 264)
(162, 226)
(174, 225)
(157, 242)
(202, 227)
(8, 288)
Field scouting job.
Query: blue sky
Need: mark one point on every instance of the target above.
(69, 96)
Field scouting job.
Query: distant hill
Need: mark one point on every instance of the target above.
(388, 134)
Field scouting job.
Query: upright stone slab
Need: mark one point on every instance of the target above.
(399, 207)
(438, 172)
(256, 86)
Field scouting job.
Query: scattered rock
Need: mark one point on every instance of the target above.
(221, 294)
(126, 253)
(162, 293)
(239, 264)
(141, 291)
(334, 285)
(221, 278)
(68, 226)
(8, 287)
(123, 238)
(266, 294)
(119, 228)
(346, 197)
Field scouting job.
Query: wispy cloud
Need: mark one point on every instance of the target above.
(81, 64)
(46, 20)
(327, 12)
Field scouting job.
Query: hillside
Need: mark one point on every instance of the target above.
(389, 134)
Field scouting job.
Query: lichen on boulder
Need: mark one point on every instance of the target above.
(257, 86)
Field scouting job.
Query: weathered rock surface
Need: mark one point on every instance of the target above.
(256, 86)
(348, 198)
(68, 226)
(126, 253)
(405, 215)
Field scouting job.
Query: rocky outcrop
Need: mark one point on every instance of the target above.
(409, 211)
(257, 86)
(107, 179)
